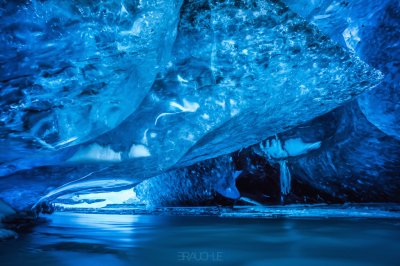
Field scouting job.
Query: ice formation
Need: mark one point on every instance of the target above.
(73, 70)
(153, 95)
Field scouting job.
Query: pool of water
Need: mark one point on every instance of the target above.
(69, 238)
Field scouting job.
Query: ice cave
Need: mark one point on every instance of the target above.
(200, 132)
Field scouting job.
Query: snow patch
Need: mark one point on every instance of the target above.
(95, 152)
(139, 150)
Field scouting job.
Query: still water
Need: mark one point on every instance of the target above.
(69, 238)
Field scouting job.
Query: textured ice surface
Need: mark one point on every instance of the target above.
(369, 28)
(264, 52)
(71, 70)
(344, 21)
(381, 48)
(359, 159)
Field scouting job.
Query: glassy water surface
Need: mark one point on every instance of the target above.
(69, 238)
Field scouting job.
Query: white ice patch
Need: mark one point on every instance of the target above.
(123, 10)
(62, 143)
(221, 103)
(138, 151)
(252, 202)
(275, 149)
(205, 116)
(95, 152)
(181, 80)
(296, 147)
(186, 107)
(138, 26)
(351, 38)
(318, 17)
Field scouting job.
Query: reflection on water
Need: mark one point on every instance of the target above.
(105, 239)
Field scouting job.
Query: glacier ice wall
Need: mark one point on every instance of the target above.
(359, 158)
(369, 29)
(233, 74)
(72, 70)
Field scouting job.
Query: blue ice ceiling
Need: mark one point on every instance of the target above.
(257, 100)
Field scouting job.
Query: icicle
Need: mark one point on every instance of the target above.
(285, 177)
